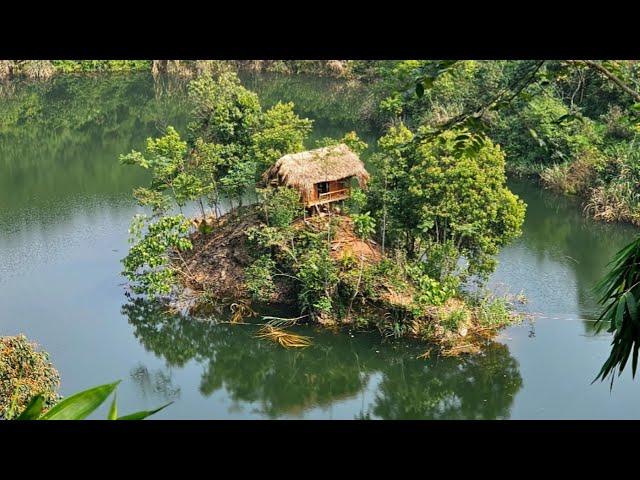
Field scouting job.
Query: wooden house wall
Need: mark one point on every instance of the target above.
(333, 186)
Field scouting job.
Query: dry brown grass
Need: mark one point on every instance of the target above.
(240, 311)
(573, 178)
(611, 204)
(283, 338)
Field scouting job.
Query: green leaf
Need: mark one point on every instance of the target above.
(632, 306)
(569, 117)
(419, 90)
(636, 106)
(113, 410)
(80, 405)
(33, 409)
(143, 414)
(620, 311)
(534, 134)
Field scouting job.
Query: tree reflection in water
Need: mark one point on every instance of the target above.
(337, 367)
(156, 383)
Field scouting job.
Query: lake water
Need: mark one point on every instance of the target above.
(65, 207)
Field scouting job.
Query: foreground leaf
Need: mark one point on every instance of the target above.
(113, 410)
(82, 404)
(33, 409)
(143, 413)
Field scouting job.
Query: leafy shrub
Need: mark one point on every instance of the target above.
(282, 206)
(451, 319)
(430, 291)
(147, 263)
(259, 278)
(72, 66)
(318, 276)
(493, 311)
(357, 201)
(364, 225)
(24, 373)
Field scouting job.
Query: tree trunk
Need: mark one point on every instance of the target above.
(159, 67)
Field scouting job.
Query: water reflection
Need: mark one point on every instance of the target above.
(560, 256)
(154, 384)
(471, 387)
(279, 382)
(60, 140)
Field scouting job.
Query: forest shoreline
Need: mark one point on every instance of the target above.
(578, 177)
(45, 69)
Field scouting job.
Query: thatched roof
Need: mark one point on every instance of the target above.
(302, 170)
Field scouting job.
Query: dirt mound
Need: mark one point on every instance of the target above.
(217, 261)
(344, 241)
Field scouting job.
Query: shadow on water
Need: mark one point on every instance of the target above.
(336, 368)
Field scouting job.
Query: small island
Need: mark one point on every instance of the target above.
(314, 231)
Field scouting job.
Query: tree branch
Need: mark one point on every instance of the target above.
(517, 87)
(599, 68)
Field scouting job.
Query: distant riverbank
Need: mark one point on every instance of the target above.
(43, 69)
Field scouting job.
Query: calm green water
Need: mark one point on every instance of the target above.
(65, 207)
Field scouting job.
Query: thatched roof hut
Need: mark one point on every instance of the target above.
(304, 170)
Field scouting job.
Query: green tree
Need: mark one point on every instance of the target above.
(447, 198)
(165, 159)
(281, 132)
(386, 196)
(154, 241)
(223, 110)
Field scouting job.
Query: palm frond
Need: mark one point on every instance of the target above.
(619, 293)
(240, 311)
(281, 322)
(283, 338)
